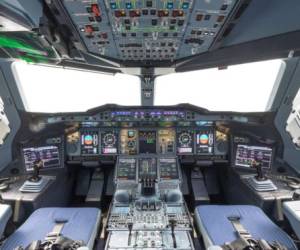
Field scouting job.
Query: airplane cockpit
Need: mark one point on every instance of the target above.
(149, 176)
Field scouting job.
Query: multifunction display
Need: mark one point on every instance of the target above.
(90, 143)
(126, 169)
(49, 155)
(185, 142)
(246, 155)
(168, 168)
(147, 142)
(204, 142)
(109, 142)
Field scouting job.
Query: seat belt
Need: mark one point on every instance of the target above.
(56, 231)
(239, 228)
(246, 241)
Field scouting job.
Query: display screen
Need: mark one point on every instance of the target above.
(147, 142)
(204, 142)
(246, 154)
(168, 168)
(49, 155)
(128, 141)
(109, 142)
(126, 169)
(89, 143)
(166, 141)
(147, 168)
(185, 142)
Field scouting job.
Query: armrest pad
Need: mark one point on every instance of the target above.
(291, 210)
(5, 214)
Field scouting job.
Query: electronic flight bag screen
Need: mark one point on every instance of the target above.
(246, 154)
(49, 155)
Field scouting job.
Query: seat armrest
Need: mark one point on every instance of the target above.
(5, 214)
(291, 210)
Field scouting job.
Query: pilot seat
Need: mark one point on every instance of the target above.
(215, 224)
(80, 224)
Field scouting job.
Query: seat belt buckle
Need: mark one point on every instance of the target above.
(53, 236)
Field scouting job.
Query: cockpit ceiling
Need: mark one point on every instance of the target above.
(185, 35)
(153, 30)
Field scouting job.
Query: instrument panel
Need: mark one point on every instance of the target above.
(199, 141)
(139, 168)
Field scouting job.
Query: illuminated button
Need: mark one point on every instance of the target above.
(113, 6)
(177, 13)
(129, 6)
(89, 29)
(120, 13)
(185, 5)
(95, 9)
(134, 13)
(163, 13)
(170, 5)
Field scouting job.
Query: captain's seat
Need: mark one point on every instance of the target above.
(75, 223)
(215, 224)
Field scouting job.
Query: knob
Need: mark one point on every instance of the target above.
(296, 194)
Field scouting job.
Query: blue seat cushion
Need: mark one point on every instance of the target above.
(80, 224)
(213, 219)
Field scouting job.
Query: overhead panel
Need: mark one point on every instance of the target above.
(154, 30)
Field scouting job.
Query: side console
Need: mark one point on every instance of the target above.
(148, 209)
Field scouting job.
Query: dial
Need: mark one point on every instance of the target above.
(185, 138)
(109, 139)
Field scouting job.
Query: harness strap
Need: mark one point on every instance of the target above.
(239, 228)
(56, 231)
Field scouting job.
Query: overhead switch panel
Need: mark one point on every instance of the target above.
(156, 30)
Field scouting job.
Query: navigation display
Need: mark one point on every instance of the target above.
(246, 154)
(48, 154)
(204, 142)
(89, 143)
(147, 142)
(185, 142)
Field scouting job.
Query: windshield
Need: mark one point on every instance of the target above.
(56, 89)
(242, 88)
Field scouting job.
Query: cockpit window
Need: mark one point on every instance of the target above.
(4, 123)
(242, 88)
(56, 89)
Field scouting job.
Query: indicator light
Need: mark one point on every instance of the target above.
(95, 9)
(185, 5)
(128, 6)
(170, 5)
(113, 6)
